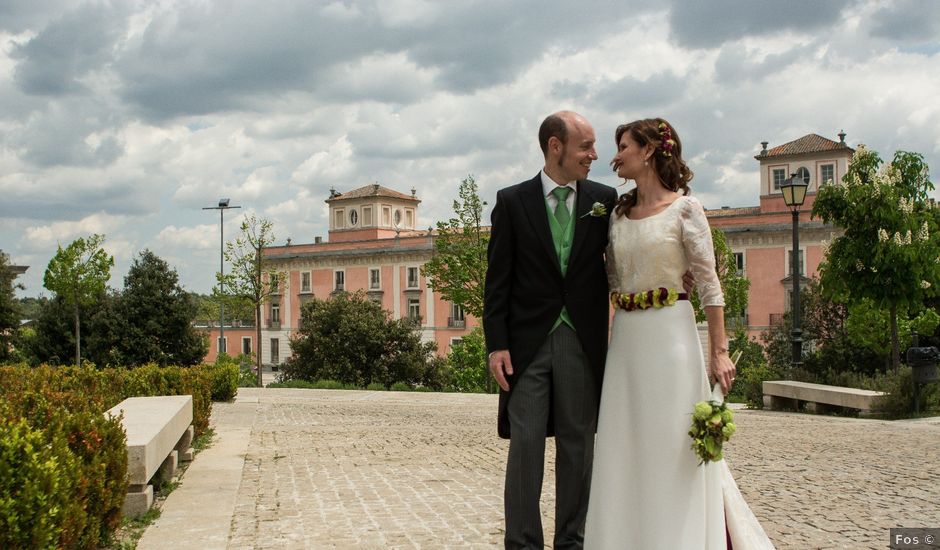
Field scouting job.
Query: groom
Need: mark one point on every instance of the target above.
(545, 316)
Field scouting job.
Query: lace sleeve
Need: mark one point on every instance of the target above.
(699, 250)
(613, 280)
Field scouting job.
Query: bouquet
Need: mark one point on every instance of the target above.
(712, 425)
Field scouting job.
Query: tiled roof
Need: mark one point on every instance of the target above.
(739, 211)
(810, 143)
(372, 190)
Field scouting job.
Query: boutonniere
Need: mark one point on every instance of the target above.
(598, 210)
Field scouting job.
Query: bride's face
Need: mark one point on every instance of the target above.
(628, 162)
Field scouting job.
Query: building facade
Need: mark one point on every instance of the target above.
(761, 237)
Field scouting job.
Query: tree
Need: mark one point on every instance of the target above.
(156, 317)
(467, 361)
(9, 308)
(889, 251)
(249, 278)
(79, 273)
(457, 270)
(733, 284)
(351, 339)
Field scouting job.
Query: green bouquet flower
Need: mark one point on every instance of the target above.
(712, 425)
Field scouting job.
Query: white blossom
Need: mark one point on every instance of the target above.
(859, 266)
(924, 232)
(897, 239)
(924, 284)
(883, 236)
(907, 237)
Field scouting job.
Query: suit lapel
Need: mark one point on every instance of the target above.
(535, 209)
(585, 200)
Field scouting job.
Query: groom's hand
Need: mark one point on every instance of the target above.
(688, 281)
(501, 367)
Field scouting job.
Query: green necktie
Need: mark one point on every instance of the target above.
(561, 210)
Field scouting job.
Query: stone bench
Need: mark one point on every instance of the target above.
(159, 434)
(819, 398)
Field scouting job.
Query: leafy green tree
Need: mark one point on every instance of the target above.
(9, 308)
(53, 339)
(351, 339)
(250, 277)
(79, 274)
(236, 307)
(467, 361)
(154, 317)
(457, 270)
(869, 326)
(889, 251)
(733, 284)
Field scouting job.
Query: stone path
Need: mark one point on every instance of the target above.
(357, 469)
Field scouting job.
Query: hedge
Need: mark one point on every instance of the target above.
(63, 462)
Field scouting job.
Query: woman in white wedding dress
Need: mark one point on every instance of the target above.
(648, 490)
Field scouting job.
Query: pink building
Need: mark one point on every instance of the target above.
(373, 245)
(762, 236)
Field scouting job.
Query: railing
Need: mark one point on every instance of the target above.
(272, 323)
(413, 321)
(456, 323)
(776, 319)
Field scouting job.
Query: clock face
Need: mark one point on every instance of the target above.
(353, 217)
(803, 174)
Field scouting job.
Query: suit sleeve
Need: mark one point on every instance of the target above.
(498, 285)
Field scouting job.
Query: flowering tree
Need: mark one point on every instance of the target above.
(889, 253)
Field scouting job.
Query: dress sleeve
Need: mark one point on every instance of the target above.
(613, 280)
(699, 250)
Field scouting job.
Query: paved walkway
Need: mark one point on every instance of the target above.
(359, 469)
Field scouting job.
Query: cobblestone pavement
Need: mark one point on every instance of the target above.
(358, 469)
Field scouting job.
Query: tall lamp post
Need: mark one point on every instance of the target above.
(794, 193)
(222, 207)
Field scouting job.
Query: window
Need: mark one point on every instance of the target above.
(275, 353)
(367, 216)
(397, 217)
(412, 277)
(221, 344)
(305, 281)
(353, 217)
(274, 282)
(827, 173)
(739, 263)
(802, 264)
(779, 175)
(339, 218)
(409, 219)
(339, 280)
(458, 318)
(386, 216)
(414, 310)
(246, 345)
(803, 173)
(275, 318)
(375, 279)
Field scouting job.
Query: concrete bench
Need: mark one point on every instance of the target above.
(159, 434)
(787, 394)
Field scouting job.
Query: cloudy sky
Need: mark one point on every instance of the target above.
(126, 118)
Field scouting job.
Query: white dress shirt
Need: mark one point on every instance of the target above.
(549, 185)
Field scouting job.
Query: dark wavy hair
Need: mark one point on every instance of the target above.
(673, 172)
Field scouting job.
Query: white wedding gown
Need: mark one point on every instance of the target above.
(648, 490)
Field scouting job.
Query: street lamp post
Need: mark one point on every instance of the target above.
(222, 207)
(794, 193)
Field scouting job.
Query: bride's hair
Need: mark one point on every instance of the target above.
(673, 172)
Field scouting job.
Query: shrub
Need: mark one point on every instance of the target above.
(35, 485)
(401, 386)
(375, 386)
(468, 364)
(225, 378)
(899, 403)
(298, 384)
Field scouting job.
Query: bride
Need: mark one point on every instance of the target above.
(648, 489)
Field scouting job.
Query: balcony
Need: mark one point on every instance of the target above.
(456, 323)
(776, 319)
(273, 323)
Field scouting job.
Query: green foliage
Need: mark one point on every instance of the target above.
(870, 327)
(79, 273)
(733, 285)
(899, 403)
(35, 486)
(351, 339)
(752, 371)
(468, 364)
(401, 386)
(458, 268)
(226, 374)
(889, 250)
(155, 317)
(375, 386)
(236, 307)
(9, 308)
(250, 277)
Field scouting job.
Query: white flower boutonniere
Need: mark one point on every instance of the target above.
(597, 210)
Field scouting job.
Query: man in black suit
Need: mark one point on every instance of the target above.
(546, 322)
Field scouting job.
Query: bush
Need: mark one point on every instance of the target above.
(225, 378)
(468, 364)
(400, 386)
(35, 486)
(899, 403)
(375, 386)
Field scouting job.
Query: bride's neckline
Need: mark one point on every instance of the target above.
(667, 207)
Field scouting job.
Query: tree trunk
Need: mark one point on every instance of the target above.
(895, 346)
(78, 339)
(258, 333)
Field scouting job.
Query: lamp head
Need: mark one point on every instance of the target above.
(223, 203)
(794, 191)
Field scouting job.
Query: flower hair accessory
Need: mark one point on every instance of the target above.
(665, 135)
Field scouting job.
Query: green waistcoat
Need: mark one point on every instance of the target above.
(562, 237)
